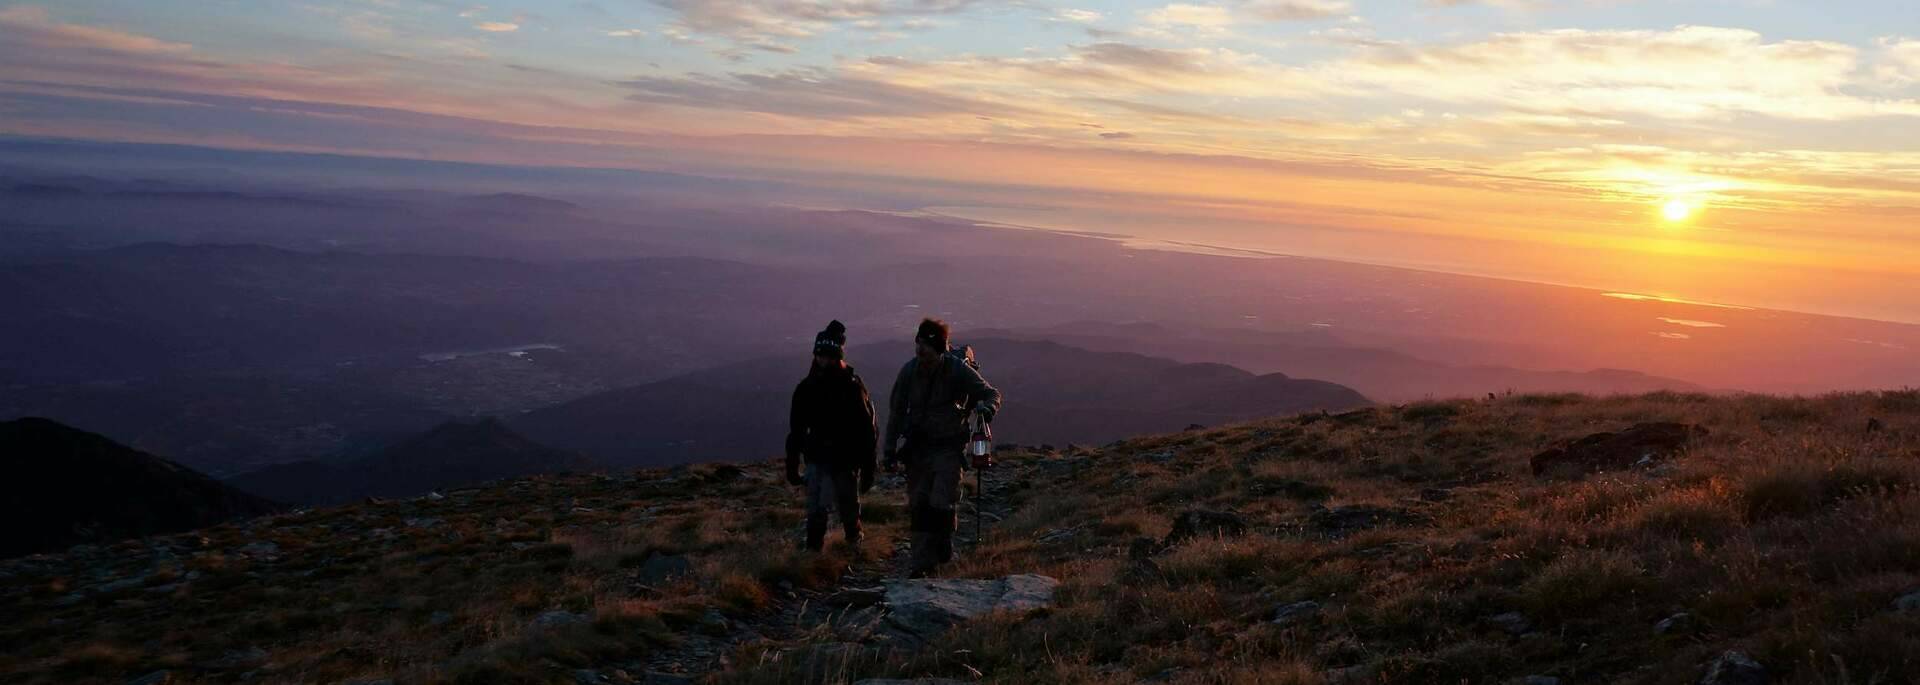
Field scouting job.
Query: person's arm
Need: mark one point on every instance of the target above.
(796, 434)
(983, 394)
(869, 463)
(896, 412)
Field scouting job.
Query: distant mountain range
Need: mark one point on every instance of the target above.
(66, 486)
(1055, 394)
(1383, 374)
(454, 454)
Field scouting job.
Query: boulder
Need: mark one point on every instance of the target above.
(557, 619)
(1734, 667)
(1644, 443)
(1199, 522)
(656, 568)
(1673, 625)
(920, 610)
(1295, 613)
(1511, 622)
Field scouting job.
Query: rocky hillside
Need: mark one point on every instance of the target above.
(1655, 539)
(66, 486)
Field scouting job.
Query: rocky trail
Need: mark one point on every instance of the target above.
(850, 612)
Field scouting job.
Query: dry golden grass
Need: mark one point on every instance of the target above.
(1788, 532)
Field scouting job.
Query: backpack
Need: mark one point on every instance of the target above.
(964, 355)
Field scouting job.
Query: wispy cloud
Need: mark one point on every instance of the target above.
(497, 26)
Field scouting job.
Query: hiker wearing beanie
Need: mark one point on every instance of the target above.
(928, 409)
(833, 432)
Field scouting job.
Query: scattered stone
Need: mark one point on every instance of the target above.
(236, 659)
(1734, 667)
(1352, 675)
(423, 522)
(261, 549)
(1675, 624)
(1353, 417)
(1540, 680)
(1511, 622)
(557, 619)
(657, 568)
(119, 585)
(920, 610)
(1287, 487)
(1908, 604)
(154, 678)
(1349, 519)
(588, 676)
(1199, 522)
(1295, 613)
(435, 497)
(1602, 452)
(1160, 457)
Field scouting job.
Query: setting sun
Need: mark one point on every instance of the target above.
(1677, 210)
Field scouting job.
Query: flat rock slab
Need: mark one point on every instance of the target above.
(1602, 452)
(920, 610)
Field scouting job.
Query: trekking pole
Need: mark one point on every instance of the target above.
(980, 447)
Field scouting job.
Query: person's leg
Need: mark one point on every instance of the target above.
(846, 489)
(944, 500)
(819, 498)
(919, 514)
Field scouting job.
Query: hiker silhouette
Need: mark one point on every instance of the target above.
(831, 429)
(927, 429)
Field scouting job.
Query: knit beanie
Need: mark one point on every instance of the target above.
(831, 343)
(933, 332)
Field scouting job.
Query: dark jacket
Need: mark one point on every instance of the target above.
(933, 406)
(831, 423)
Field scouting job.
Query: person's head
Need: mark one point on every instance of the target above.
(830, 346)
(931, 340)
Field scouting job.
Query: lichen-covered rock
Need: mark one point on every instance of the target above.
(919, 610)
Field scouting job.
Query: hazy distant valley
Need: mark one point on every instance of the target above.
(235, 325)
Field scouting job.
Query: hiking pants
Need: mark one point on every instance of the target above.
(830, 490)
(933, 490)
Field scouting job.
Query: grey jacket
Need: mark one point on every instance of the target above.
(934, 406)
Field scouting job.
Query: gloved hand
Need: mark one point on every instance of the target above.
(985, 410)
(793, 476)
(866, 481)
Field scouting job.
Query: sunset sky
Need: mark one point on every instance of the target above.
(1752, 151)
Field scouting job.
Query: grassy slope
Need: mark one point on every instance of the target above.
(1788, 533)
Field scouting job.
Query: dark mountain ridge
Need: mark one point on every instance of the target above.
(454, 454)
(66, 486)
(1055, 394)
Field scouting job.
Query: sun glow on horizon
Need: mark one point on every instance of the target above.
(1677, 210)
